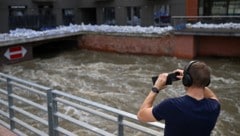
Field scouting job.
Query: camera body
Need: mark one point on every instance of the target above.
(170, 78)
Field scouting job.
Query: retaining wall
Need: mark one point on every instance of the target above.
(167, 45)
(181, 46)
(223, 46)
(178, 45)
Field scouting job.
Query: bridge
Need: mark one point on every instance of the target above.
(28, 108)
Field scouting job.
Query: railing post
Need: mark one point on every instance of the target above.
(120, 125)
(10, 104)
(52, 108)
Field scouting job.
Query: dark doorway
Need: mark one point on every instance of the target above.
(54, 48)
(68, 16)
(89, 15)
(47, 19)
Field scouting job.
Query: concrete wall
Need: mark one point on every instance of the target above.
(121, 15)
(178, 7)
(4, 17)
(147, 15)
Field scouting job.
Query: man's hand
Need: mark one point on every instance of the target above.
(161, 81)
(180, 71)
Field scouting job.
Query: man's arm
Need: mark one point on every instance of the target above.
(145, 111)
(208, 93)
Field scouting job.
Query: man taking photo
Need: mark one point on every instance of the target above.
(194, 114)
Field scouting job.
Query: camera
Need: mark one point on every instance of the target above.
(170, 78)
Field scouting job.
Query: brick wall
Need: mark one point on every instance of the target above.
(223, 46)
(181, 46)
(167, 45)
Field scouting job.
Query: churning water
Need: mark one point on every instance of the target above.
(123, 81)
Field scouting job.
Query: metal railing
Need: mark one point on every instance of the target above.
(31, 109)
(179, 22)
(36, 22)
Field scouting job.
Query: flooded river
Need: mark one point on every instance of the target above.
(122, 81)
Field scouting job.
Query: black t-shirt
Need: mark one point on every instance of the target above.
(186, 116)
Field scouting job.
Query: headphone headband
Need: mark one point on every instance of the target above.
(189, 65)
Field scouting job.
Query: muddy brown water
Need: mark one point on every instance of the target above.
(122, 80)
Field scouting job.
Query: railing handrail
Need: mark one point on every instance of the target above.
(53, 99)
(180, 24)
(23, 81)
(219, 16)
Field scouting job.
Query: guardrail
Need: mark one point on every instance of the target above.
(179, 22)
(31, 109)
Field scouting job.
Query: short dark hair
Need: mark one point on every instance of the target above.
(200, 74)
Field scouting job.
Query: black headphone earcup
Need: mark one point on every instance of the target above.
(207, 84)
(187, 80)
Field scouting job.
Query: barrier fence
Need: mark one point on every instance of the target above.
(179, 22)
(31, 109)
(35, 22)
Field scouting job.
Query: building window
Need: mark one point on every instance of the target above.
(18, 13)
(68, 16)
(17, 17)
(109, 16)
(17, 10)
(133, 16)
(47, 19)
(219, 7)
(234, 7)
(161, 15)
(200, 8)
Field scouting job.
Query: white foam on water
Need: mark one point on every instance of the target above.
(224, 80)
(123, 81)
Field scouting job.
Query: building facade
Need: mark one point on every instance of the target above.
(46, 14)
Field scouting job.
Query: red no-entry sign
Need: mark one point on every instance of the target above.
(16, 52)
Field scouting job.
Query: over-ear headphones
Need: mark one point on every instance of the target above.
(187, 78)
